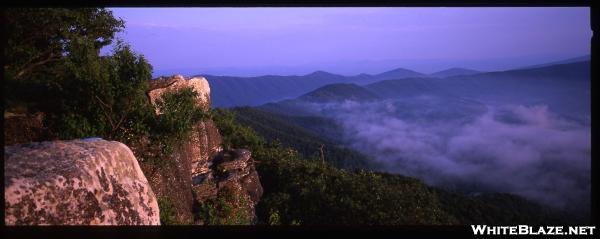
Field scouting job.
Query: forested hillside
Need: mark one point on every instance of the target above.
(305, 191)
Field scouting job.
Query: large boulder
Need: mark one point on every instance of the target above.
(77, 182)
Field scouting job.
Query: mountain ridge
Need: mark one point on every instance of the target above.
(454, 71)
(559, 62)
(231, 91)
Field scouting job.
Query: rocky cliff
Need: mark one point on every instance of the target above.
(201, 169)
(78, 182)
(82, 182)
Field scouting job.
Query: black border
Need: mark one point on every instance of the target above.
(131, 232)
(299, 3)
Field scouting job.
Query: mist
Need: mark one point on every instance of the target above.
(471, 147)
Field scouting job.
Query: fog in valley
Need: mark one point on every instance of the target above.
(503, 132)
(525, 150)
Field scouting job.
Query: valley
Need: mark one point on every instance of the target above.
(461, 133)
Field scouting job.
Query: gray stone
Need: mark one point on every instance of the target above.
(78, 182)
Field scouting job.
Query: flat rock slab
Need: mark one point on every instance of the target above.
(77, 182)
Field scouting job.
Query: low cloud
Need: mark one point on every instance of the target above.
(524, 150)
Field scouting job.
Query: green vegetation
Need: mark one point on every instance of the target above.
(167, 211)
(301, 191)
(290, 131)
(53, 65)
(235, 135)
(178, 115)
(226, 209)
(501, 207)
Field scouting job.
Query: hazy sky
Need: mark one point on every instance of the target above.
(254, 41)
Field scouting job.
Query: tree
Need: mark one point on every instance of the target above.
(53, 65)
(40, 38)
(46, 47)
(102, 96)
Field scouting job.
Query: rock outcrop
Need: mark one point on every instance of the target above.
(78, 182)
(202, 170)
(190, 157)
(232, 180)
(236, 168)
(162, 85)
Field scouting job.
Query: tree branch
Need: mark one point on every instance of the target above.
(31, 66)
(123, 117)
(110, 120)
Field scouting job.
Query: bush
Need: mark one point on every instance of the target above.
(106, 94)
(229, 208)
(167, 211)
(178, 115)
(233, 134)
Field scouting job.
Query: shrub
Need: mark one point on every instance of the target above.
(229, 208)
(167, 211)
(179, 114)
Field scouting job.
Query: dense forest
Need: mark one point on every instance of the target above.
(290, 133)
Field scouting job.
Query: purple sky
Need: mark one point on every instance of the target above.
(256, 41)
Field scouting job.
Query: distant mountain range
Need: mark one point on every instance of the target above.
(430, 127)
(563, 87)
(454, 72)
(566, 61)
(231, 91)
(398, 73)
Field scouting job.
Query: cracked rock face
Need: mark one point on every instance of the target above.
(77, 182)
(204, 170)
(235, 170)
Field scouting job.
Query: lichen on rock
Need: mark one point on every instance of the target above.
(77, 182)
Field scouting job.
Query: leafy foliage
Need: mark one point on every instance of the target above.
(226, 209)
(178, 115)
(290, 132)
(492, 208)
(40, 40)
(167, 211)
(53, 65)
(233, 134)
(108, 98)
